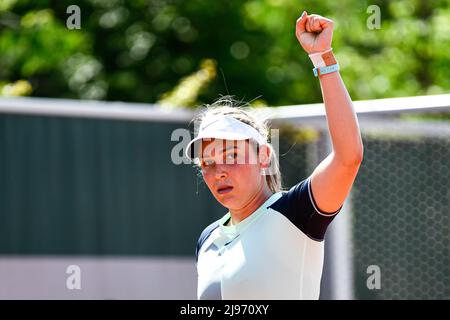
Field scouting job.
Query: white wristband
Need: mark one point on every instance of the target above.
(317, 59)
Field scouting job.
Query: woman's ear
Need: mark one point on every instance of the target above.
(264, 156)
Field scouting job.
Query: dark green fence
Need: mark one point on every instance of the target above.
(401, 217)
(103, 187)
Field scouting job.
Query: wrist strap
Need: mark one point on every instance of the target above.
(324, 70)
(323, 59)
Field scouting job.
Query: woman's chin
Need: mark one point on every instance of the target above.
(227, 201)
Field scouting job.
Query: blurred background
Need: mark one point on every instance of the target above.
(91, 94)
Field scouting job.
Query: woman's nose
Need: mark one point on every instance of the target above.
(221, 171)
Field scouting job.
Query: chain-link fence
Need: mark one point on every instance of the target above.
(401, 212)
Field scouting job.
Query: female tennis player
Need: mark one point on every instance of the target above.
(269, 245)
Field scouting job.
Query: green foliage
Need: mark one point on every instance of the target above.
(296, 135)
(18, 88)
(144, 50)
(185, 94)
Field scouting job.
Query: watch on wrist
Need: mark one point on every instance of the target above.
(324, 70)
(324, 62)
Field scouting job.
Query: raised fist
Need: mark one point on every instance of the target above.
(314, 32)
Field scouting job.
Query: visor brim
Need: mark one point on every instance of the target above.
(191, 147)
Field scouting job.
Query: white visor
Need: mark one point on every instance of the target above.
(225, 128)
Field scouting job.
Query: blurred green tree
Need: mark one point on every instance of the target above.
(140, 50)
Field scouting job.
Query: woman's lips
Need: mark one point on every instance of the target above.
(224, 190)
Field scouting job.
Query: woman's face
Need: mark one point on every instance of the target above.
(232, 171)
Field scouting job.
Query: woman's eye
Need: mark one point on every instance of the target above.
(231, 156)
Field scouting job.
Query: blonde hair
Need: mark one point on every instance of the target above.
(227, 105)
